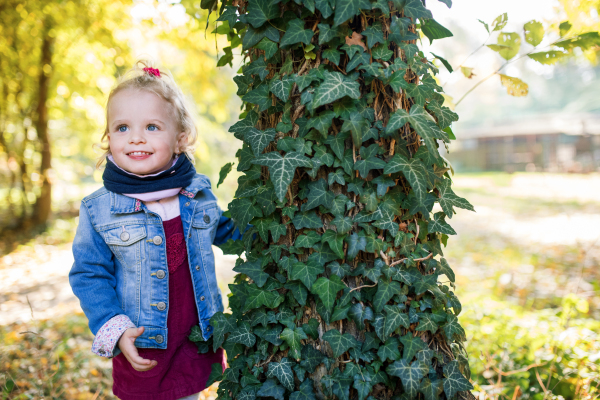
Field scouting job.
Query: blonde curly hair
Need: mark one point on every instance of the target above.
(165, 88)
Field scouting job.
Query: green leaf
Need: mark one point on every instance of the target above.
(431, 389)
(295, 33)
(282, 169)
(433, 30)
(414, 171)
(335, 241)
(382, 52)
(298, 290)
(500, 22)
(444, 62)
(340, 313)
(271, 389)
(222, 323)
(337, 143)
(258, 298)
(410, 374)
(306, 391)
(259, 140)
(356, 243)
(293, 337)
(343, 224)
(426, 323)
(306, 272)
(243, 335)
(358, 126)
(564, 28)
(311, 357)
(321, 122)
(260, 11)
(415, 9)
(444, 115)
(268, 46)
(374, 34)
(259, 96)
(216, 374)
(226, 169)
(454, 381)
(332, 55)
(513, 41)
(254, 270)
(534, 32)
(452, 328)
(242, 212)
(411, 346)
(241, 127)
(548, 57)
(334, 87)
(359, 313)
(394, 318)
(422, 123)
(448, 199)
(340, 343)
(328, 33)
(444, 268)
(385, 291)
(258, 67)
(438, 224)
(390, 350)
(307, 219)
(327, 289)
(344, 10)
(282, 87)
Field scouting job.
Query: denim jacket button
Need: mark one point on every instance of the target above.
(160, 274)
(197, 268)
(206, 218)
(157, 240)
(202, 298)
(161, 306)
(159, 338)
(124, 236)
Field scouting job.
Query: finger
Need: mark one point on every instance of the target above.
(139, 367)
(136, 332)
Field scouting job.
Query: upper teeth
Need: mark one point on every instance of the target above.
(138, 153)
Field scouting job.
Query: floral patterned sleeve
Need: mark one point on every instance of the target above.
(105, 343)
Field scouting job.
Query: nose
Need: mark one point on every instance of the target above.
(137, 136)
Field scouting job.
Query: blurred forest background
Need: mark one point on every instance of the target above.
(527, 261)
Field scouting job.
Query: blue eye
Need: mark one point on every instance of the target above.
(150, 128)
(122, 128)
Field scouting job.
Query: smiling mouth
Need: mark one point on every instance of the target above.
(139, 153)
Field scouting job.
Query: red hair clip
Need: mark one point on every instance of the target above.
(153, 71)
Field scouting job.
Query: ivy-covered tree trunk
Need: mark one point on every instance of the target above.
(339, 294)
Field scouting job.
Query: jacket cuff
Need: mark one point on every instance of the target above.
(105, 343)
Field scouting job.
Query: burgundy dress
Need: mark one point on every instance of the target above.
(180, 371)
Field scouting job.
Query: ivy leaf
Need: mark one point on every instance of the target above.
(258, 298)
(307, 240)
(260, 11)
(259, 96)
(438, 224)
(413, 170)
(319, 194)
(306, 272)
(415, 9)
(307, 219)
(311, 357)
(394, 318)
(306, 391)
(254, 270)
(243, 335)
(356, 243)
(426, 323)
(271, 389)
(277, 230)
(431, 389)
(433, 30)
(363, 386)
(292, 337)
(259, 140)
(343, 224)
(268, 46)
(295, 33)
(374, 34)
(216, 374)
(339, 313)
(226, 169)
(422, 123)
(332, 55)
(258, 67)
(282, 169)
(410, 374)
(321, 122)
(239, 128)
(327, 289)
(385, 291)
(337, 143)
(334, 87)
(397, 82)
(335, 241)
(269, 334)
(444, 268)
(358, 313)
(452, 328)
(390, 350)
(449, 199)
(242, 211)
(328, 33)
(411, 346)
(444, 115)
(454, 381)
(344, 10)
(340, 343)
(282, 87)
(357, 125)
(298, 290)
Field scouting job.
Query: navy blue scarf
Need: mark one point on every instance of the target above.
(118, 181)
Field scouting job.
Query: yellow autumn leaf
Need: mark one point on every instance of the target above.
(467, 72)
(514, 86)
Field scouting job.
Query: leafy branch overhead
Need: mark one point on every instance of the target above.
(338, 291)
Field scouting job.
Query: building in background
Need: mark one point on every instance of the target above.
(551, 143)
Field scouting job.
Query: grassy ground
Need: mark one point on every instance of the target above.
(527, 265)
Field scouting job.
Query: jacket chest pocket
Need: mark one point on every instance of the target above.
(205, 222)
(126, 243)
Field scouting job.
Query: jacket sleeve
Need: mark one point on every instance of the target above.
(105, 342)
(226, 230)
(92, 276)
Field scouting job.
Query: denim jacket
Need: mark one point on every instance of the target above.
(121, 262)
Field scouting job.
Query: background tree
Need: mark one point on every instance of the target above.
(339, 293)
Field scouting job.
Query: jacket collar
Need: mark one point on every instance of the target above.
(120, 204)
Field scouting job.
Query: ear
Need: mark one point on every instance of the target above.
(182, 140)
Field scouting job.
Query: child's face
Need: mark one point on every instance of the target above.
(143, 134)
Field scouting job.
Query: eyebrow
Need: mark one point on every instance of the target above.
(120, 121)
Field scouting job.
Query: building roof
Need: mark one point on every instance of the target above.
(543, 124)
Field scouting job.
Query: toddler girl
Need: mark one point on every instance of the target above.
(144, 269)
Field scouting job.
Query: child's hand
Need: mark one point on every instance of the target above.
(130, 351)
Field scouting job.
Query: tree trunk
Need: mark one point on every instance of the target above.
(43, 203)
(341, 170)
